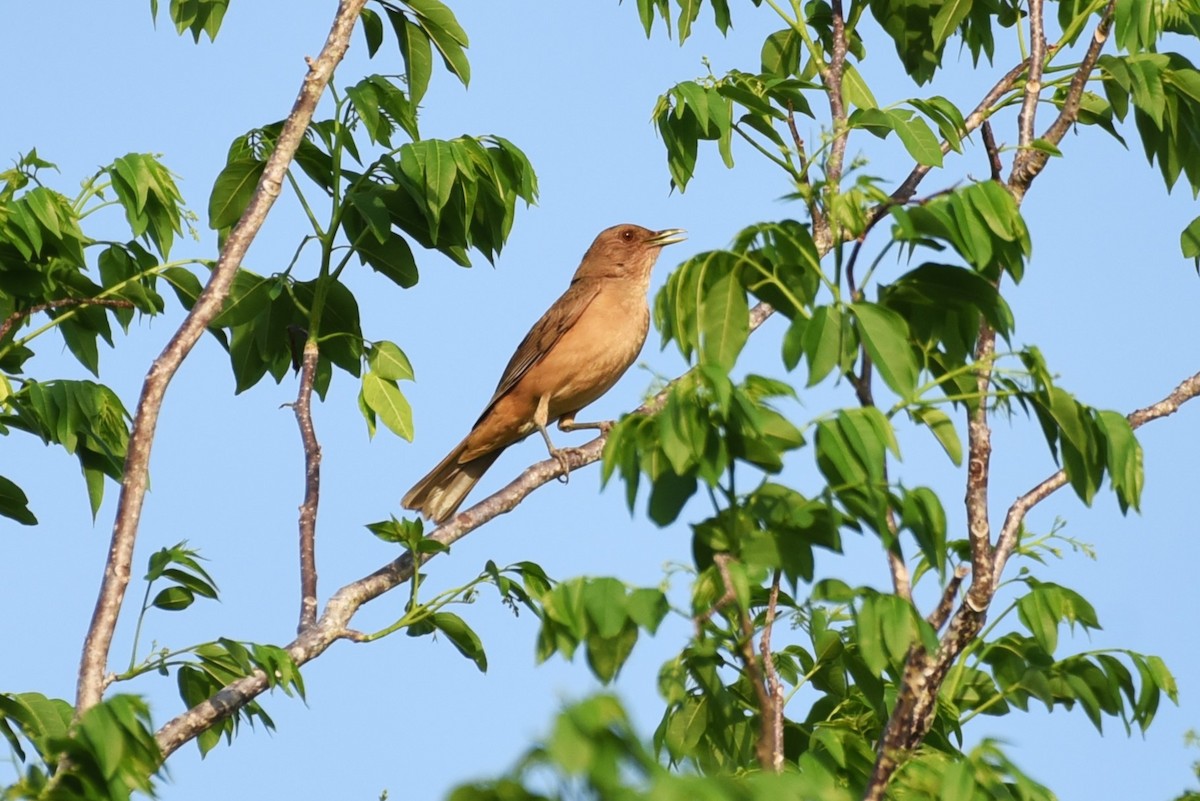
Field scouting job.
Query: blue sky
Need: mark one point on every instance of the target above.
(1107, 298)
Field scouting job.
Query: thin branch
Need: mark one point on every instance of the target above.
(901, 581)
(819, 224)
(61, 303)
(1033, 80)
(908, 187)
(774, 686)
(1026, 168)
(993, 153)
(208, 305)
(1070, 110)
(979, 450)
(837, 104)
(916, 703)
(312, 486)
(334, 622)
(1186, 391)
(766, 747)
(938, 617)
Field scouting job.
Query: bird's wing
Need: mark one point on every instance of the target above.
(558, 319)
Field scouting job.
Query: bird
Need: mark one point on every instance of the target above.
(574, 354)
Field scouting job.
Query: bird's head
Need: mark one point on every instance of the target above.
(626, 251)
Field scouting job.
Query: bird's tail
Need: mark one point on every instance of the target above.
(439, 494)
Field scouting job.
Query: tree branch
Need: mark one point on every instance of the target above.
(334, 622)
(1026, 168)
(1033, 80)
(979, 450)
(1186, 391)
(908, 187)
(766, 747)
(17, 316)
(208, 305)
(774, 686)
(312, 487)
(993, 153)
(837, 104)
(923, 677)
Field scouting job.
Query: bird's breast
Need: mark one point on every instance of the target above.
(596, 351)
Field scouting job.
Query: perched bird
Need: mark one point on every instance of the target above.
(572, 356)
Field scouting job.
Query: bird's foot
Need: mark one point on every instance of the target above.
(560, 456)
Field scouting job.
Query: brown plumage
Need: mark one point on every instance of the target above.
(572, 356)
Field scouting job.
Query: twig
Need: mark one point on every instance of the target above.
(208, 305)
(941, 613)
(774, 685)
(1033, 80)
(819, 224)
(61, 303)
(312, 486)
(993, 153)
(1027, 168)
(1186, 391)
(908, 187)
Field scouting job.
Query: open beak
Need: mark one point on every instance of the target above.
(666, 237)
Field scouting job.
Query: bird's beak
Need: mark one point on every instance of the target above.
(666, 237)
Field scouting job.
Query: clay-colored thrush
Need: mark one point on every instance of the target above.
(572, 356)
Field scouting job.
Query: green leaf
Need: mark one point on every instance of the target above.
(390, 256)
(462, 637)
(1189, 240)
(445, 33)
(232, 191)
(781, 52)
(384, 398)
(1123, 455)
(416, 51)
(14, 504)
(604, 600)
(917, 137)
(248, 299)
(823, 342)
(386, 359)
(942, 427)
(855, 89)
(372, 28)
(725, 321)
(948, 18)
(647, 607)
(606, 655)
(885, 336)
(174, 599)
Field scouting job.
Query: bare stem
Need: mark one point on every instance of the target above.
(1033, 80)
(17, 316)
(993, 153)
(837, 104)
(774, 720)
(312, 487)
(1029, 163)
(133, 484)
(979, 449)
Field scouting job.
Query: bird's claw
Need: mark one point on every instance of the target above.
(560, 456)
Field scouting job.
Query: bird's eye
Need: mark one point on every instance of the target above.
(627, 235)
